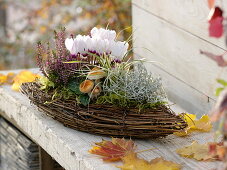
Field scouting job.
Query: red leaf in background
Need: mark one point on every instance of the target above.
(211, 3)
(218, 58)
(215, 20)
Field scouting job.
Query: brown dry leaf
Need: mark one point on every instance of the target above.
(132, 162)
(23, 77)
(113, 150)
(201, 125)
(202, 152)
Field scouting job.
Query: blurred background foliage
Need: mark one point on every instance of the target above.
(24, 22)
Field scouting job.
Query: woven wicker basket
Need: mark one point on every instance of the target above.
(105, 119)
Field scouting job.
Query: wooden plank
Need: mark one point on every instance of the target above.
(181, 94)
(176, 51)
(188, 15)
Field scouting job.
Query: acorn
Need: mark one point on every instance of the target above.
(86, 86)
(96, 73)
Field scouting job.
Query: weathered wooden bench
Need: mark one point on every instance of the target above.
(70, 147)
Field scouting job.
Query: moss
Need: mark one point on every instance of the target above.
(119, 101)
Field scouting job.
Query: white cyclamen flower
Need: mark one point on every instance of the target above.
(103, 33)
(101, 41)
(69, 44)
(119, 49)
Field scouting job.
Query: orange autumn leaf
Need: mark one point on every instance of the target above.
(201, 152)
(132, 162)
(113, 150)
(201, 125)
(23, 77)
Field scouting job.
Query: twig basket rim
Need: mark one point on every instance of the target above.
(107, 120)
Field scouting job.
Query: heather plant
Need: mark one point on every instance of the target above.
(54, 63)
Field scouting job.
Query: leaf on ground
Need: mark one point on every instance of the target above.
(3, 79)
(132, 162)
(201, 152)
(201, 125)
(217, 150)
(23, 77)
(113, 150)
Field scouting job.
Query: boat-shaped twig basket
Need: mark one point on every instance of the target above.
(106, 119)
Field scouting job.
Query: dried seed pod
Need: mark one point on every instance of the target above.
(96, 91)
(86, 86)
(96, 73)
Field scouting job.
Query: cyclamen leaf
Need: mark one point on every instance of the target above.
(84, 99)
(132, 162)
(113, 150)
(74, 86)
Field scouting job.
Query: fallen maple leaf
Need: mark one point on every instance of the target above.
(113, 150)
(132, 162)
(196, 151)
(200, 152)
(201, 125)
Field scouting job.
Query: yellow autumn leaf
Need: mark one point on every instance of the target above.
(201, 125)
(195, 150)
(3, 79)
(23, 77)
(132, 162)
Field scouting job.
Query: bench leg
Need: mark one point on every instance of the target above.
(46, 161)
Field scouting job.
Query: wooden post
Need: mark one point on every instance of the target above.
(3, 30)
(46, 161)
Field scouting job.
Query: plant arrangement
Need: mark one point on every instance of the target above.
(90, 83)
